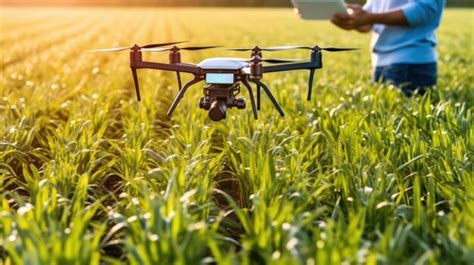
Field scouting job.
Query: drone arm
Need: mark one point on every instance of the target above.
(135, 81)
(270, 95)
(290, 67)
(310, 83)
(178, 67)
(311, 66)
(259, 91)
(178, 75)
(180, 95)
(252, 100)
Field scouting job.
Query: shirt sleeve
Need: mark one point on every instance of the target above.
(423, 11)
(368, 6)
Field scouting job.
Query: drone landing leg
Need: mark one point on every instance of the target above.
(310, 85)
(267, 91)
(179, 80)
(258, 96)
(135, 80)
(181, 94)
(252, 100)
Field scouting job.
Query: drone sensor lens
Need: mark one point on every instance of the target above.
(218, 110)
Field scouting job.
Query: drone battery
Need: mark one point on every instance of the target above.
(219, 79)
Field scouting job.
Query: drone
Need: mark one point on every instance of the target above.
(224, 76)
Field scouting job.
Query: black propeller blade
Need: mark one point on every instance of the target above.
(197, 48)
(274, 60)
(286, 48)
(334, 49)
(156, 45)
(277, 61)
(192, 48)
(240, 49)
(119, 49)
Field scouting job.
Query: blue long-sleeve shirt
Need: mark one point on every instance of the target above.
(415, 44)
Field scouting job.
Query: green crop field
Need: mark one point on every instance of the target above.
(358, 175)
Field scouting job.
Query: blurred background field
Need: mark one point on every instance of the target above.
(360, 174)
(196, 3)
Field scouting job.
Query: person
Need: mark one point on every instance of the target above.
(403, 39)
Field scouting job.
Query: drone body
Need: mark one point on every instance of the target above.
(224, 77)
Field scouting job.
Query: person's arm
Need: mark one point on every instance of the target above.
(411, 14)
(369, 7)
(423, 11)
(392, 18)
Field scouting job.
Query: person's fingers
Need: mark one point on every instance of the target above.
(353, 9)
(346, 27)
(342, 16)
(354, 6)
(335, 21)
(344, 24)
(338, 21)
(359, 19)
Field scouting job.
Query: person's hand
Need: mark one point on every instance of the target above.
(360, 17)
(355, 18)
(342, 20)
(354, 8)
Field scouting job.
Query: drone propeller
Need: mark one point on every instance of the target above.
(191, 48)
(240, 49)
(328, 49)
(286, 48)
(275, 60)
(148, 46)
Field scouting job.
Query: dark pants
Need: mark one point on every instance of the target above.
(410, 78)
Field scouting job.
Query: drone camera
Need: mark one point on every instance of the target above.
(218, 98)
(218, 110)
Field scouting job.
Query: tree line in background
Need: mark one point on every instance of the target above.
(232, 3)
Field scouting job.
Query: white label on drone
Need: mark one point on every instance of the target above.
(220, 78)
